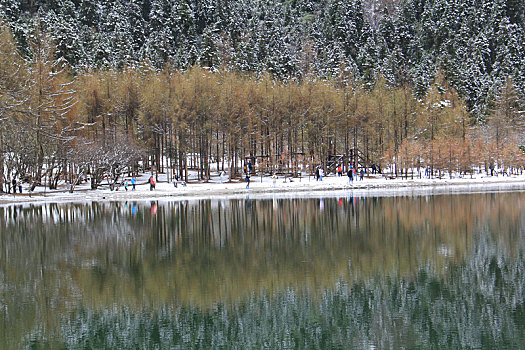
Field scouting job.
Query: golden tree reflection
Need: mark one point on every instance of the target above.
(205, 251)
(54, 257)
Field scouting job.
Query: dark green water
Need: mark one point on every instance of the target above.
(443, 271)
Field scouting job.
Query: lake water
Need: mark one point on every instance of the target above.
(445, 271)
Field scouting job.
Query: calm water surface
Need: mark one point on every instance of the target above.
(443, 271)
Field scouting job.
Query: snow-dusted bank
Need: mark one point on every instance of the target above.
(261, 187)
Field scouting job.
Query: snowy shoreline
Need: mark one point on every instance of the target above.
(263, 187)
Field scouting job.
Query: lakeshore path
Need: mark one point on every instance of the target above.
(263, 186)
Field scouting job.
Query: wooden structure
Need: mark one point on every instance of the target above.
(273, 163)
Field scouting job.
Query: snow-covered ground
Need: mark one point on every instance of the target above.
(263, 186)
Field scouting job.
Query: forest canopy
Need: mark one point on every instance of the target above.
(478, 44)
(97, 86)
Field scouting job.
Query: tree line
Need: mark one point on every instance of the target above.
(100, 124)
(477, 43)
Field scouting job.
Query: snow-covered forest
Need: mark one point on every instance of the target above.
(95, 86)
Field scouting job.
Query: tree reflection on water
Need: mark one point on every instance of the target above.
(312, 273)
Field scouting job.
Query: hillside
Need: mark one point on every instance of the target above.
(477, 43)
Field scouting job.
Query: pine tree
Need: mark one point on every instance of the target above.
(12, 88)
(9, 10)
(507, 119)
(51, 99)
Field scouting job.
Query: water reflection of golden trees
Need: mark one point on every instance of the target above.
(201, 252)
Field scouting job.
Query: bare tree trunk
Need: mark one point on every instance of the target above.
(162, 151)
(355, 160)
(1, 163)
(210, 141)
(223, 152)
(76, 181)
(217, 150)
(185, 155)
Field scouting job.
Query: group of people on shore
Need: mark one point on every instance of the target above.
(319, 172)
(126, 184)
(152, 182)
(352, 173)
(14, 185)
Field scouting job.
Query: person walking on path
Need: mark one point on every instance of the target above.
(151, 183)
(133, 182)
(126, 185)
(247, 181)
(19, 186)
(274, 178)
(13, 182)
(321, 173)
(350, 174)
(361, 175)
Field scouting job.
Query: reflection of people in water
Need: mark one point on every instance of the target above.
(248, 203)
(134, 209)
(154, 209)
